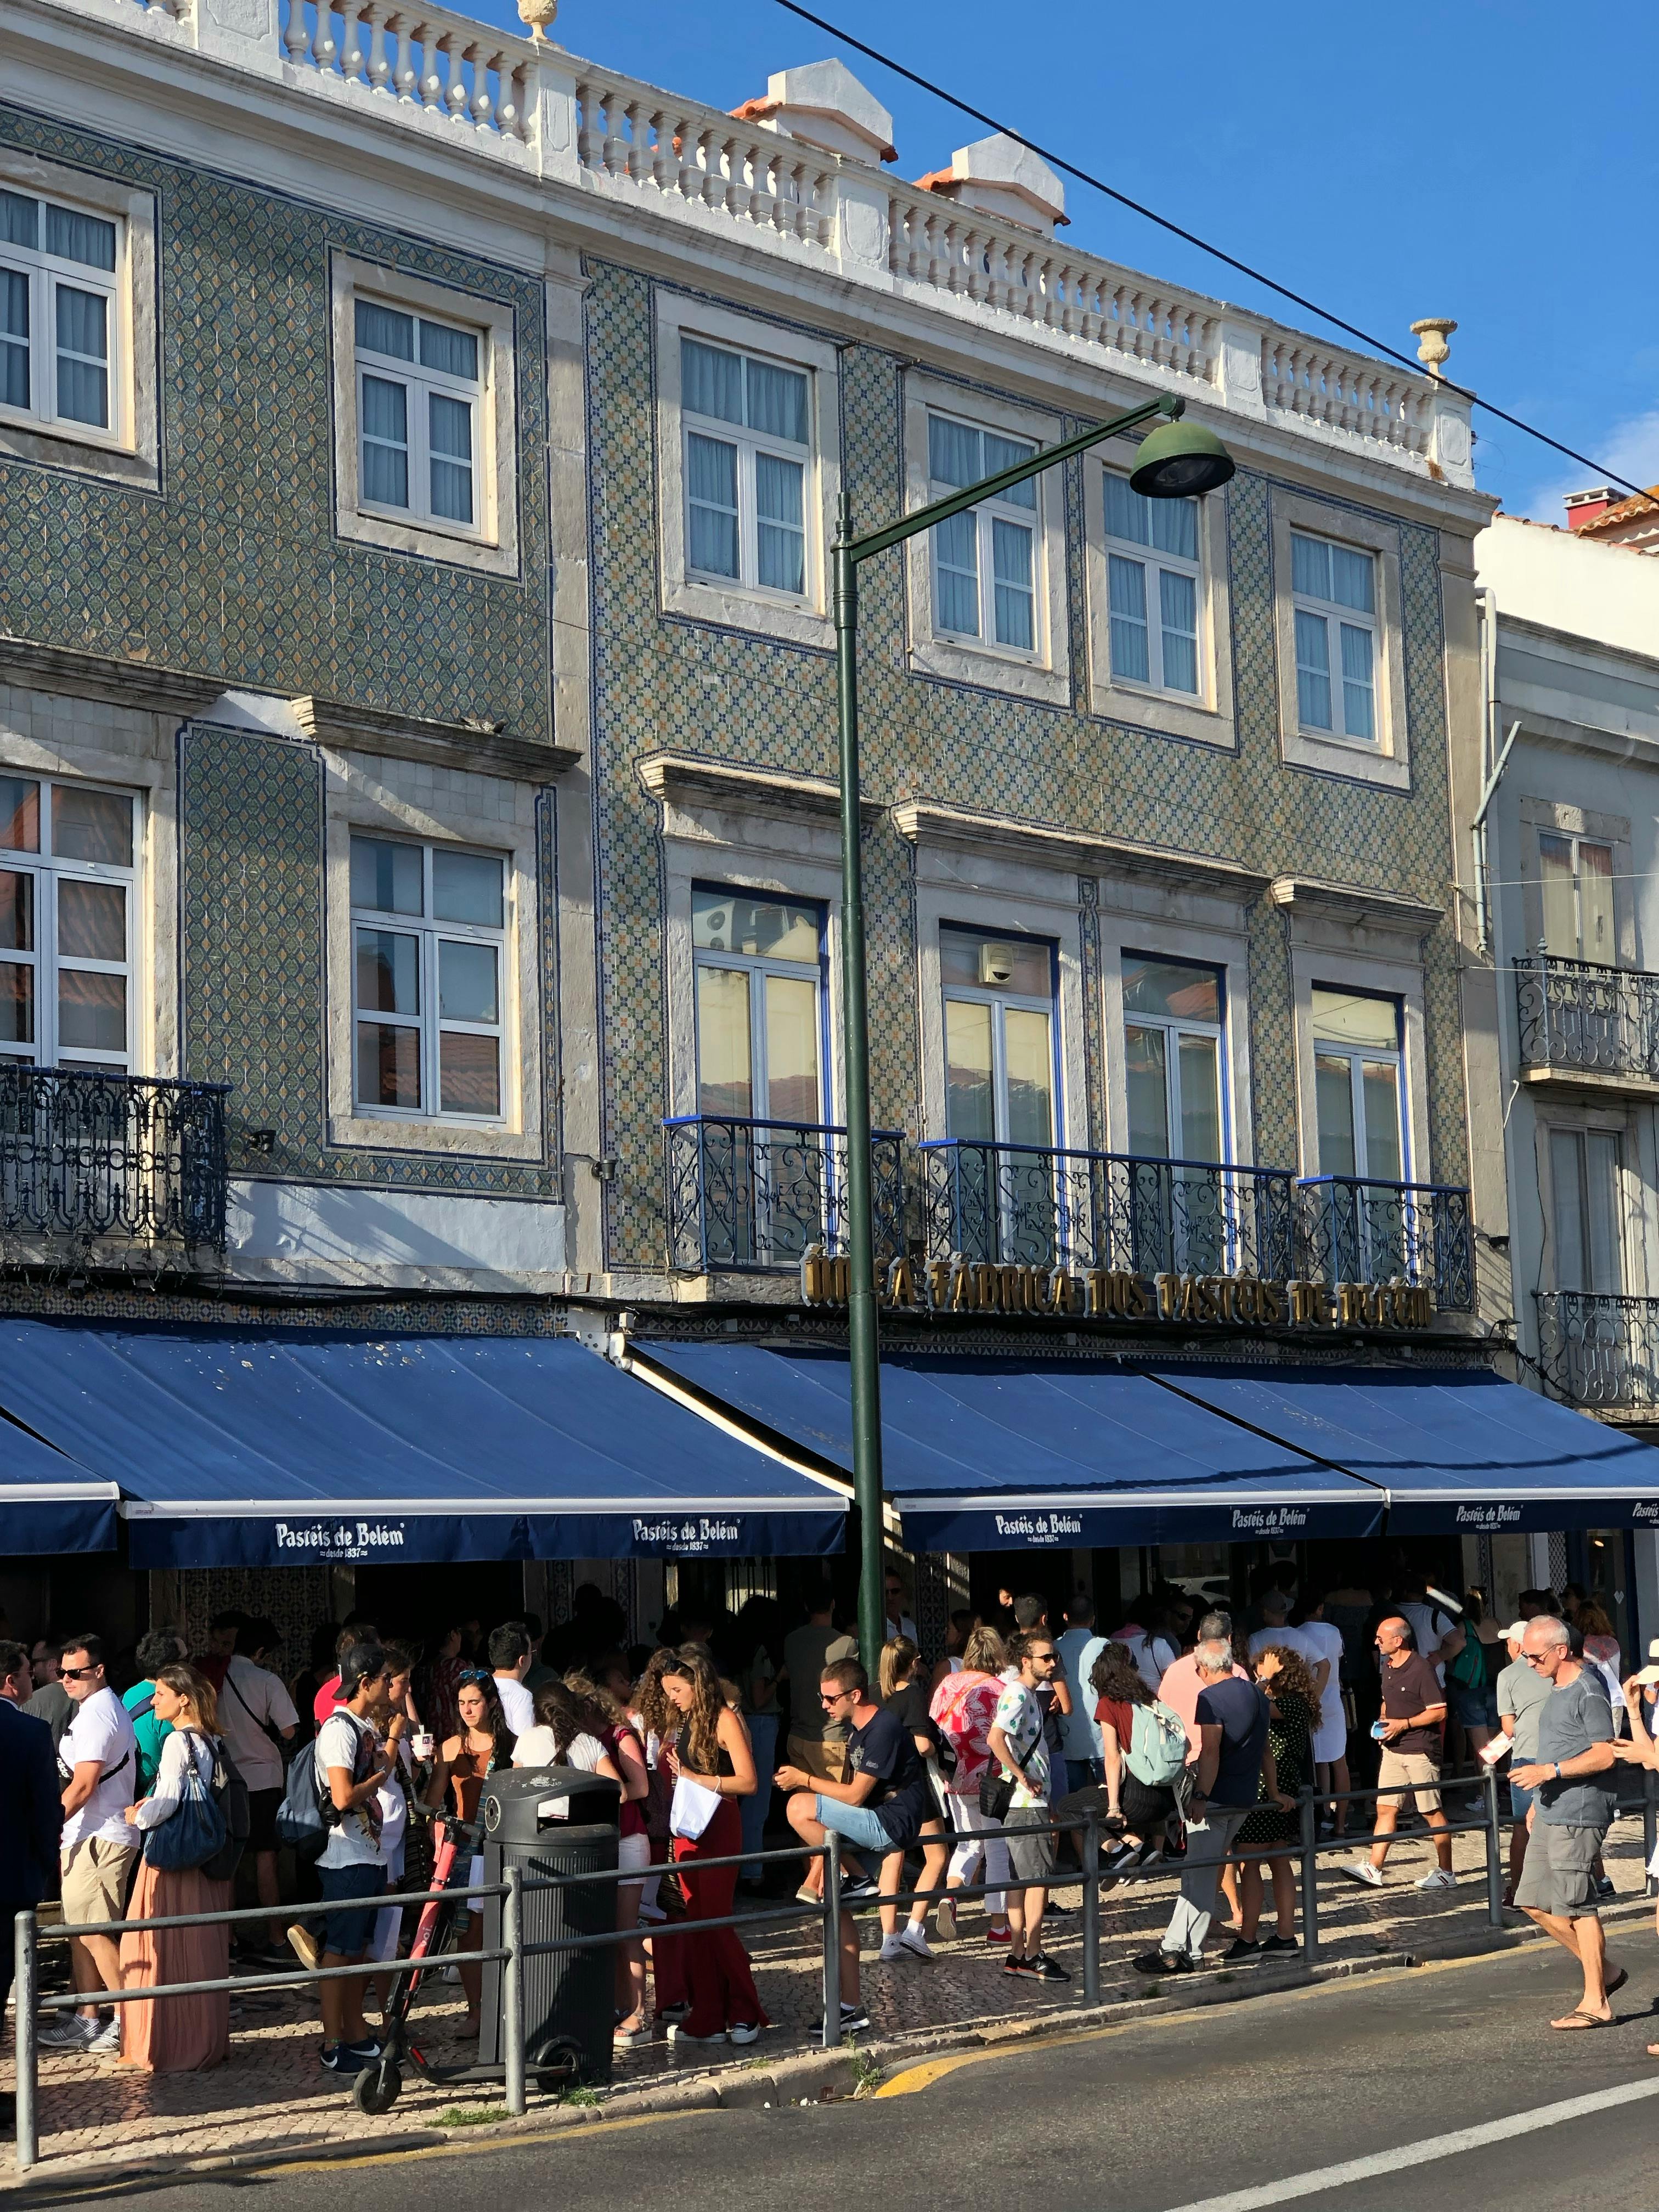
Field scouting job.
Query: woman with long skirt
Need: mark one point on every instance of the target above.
(177, 2035)
(711, 1749)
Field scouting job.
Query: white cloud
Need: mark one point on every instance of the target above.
(1629, 449)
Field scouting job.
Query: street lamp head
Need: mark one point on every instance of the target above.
(1181, 460)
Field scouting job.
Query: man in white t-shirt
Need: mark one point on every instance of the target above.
(352, 1765)
(1275, 1610)
(1439, 1633)
(509, 1661)
(97, 1849)
(257, 1718)
(1321, 1640)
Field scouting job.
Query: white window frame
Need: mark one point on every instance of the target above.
(1043, 673)
(1357, 1055)
(420, 385)
(1208, 718)
(377, 795)
(742, 602)
(749, 445)
(1581, 1132)
(1002, 1003)
(44, 273)
(1175, 1027)
(1385, 758)
(127, 450)
(1575, 843)
(431, 934)
(49, 872)
(490, 542)
(1211, 929)
(1026, 519)
(757, 966)
(1334, 616)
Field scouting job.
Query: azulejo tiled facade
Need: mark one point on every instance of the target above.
(739, 698)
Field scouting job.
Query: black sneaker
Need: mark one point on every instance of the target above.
(1243, 1947)
(853, 2021)
(855, 1891)
(1284, 1945)
(1011, 1964)
(340, 2058)
(1045, 1968)
(1161, 1962)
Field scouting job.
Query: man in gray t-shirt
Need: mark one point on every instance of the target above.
(1572, 1776)
(1521, 1694)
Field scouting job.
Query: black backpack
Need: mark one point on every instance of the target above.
(230, 1795)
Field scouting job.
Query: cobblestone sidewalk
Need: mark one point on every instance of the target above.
(271, 2095)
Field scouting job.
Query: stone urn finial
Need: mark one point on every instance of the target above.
(538, 13)
(1433, 331)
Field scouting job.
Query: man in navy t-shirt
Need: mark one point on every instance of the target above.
(1232, 1725)
(879, 1808)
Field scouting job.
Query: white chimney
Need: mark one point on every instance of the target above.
(824, 105)
(999, 177)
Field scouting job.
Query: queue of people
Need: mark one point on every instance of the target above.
(1192, 1744)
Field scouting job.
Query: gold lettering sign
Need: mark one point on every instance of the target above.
(959, 1285)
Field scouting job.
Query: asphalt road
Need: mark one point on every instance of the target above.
(1233, 2109)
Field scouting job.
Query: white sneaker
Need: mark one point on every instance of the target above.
(1362, 1871)
(915, 1938)
(892, 1946)
(74, 2033)
(106, 2043)
(1440, 1879)
(945, 1919)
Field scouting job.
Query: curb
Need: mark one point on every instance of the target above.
(832, 2074)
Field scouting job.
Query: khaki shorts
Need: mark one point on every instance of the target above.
(824, 1762)
(97, 1876)
(1557, 1877)
(1415, 1767)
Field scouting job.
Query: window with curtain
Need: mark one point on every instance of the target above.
(59, 301)
(1155, 586)
(1585, 1177)
(984, 562)
(758, 964)
(419, 393)
(428, 926)
(1358, 1084)
(67, 879)
(1333, 590)
(1172, 1052)
(1575, 876)
(747, 426)
(998, 1036)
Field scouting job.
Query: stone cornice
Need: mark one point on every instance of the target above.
(476, 750)
(926, 822)
(123, 682)
(1353, 902)
(689, 781)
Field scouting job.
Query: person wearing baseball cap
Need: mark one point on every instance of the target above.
(1522, 1692)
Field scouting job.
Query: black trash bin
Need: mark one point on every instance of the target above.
(553, 1820)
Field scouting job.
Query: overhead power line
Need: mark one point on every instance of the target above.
(1218, 253)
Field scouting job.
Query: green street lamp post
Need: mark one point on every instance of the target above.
(1178, 460)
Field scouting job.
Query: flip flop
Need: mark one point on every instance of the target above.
(1575, 2023)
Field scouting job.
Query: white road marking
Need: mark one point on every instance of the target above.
(1421, 2154)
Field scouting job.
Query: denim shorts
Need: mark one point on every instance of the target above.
(1521, 1802)
(857, 1823)
(1475, 1708)
(349, 1934)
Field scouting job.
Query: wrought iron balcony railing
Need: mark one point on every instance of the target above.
(1600, 1349)
(1576, 1014)
(88, 1158)
(1041, 1206)
(1355, 1230)
(751, 1197)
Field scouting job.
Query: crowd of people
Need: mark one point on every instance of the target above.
(1175, 1736)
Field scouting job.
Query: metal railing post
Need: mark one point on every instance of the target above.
(1650, 1824)
(1308, 1813)
(1092, 1906)
(831, 1941)
(26, 1991)
(513, 2027)
(1494, 1852)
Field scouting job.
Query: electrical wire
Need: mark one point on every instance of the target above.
(1216, 252)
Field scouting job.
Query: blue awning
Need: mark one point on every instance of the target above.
(997, 1454)
(271, 1450)
(1458, 1450)
(49, 1504)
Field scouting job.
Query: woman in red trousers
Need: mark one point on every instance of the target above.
(711, 1749)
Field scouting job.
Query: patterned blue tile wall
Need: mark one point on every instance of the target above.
(234, 570)
(742, 698)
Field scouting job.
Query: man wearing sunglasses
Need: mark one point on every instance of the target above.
(98, 1850)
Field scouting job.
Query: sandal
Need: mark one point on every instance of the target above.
(1575, 2023)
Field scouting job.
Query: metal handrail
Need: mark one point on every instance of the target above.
(514, 1949)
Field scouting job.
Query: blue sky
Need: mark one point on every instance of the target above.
(1492, 159)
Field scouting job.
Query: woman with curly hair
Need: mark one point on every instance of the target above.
(712, 1750)
(1139, 1809)
(1272, 1831)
